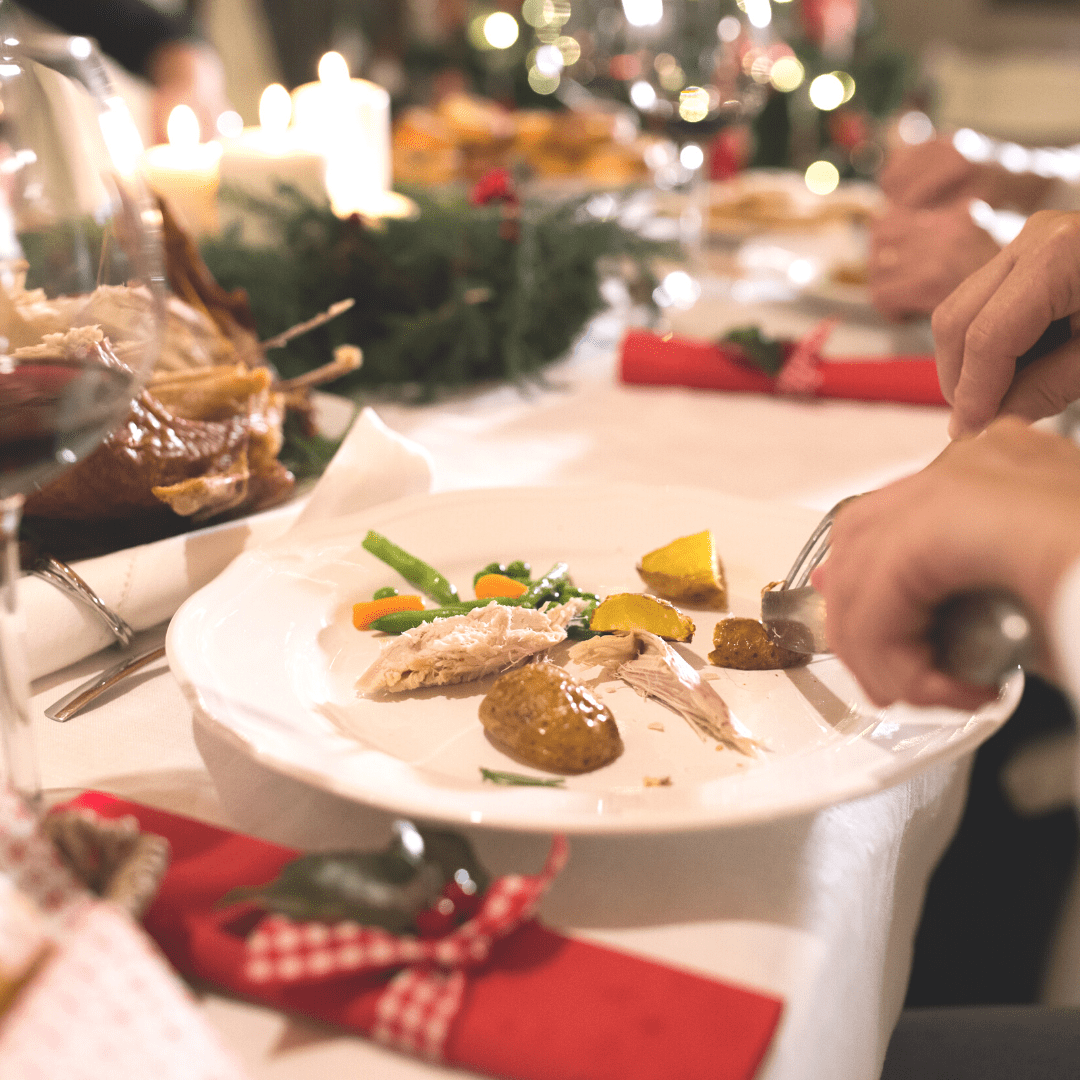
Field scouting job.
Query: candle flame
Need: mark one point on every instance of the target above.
(275, 109)
(183, 127)
(333, 69)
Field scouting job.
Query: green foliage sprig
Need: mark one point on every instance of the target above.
(444, 299)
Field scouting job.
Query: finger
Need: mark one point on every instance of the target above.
(1045, 387)
(1011, 321)
(955, 313)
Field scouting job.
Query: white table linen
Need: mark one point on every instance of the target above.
(146, 584)
(820, 910)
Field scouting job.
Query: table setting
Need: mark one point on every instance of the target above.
(346, 882)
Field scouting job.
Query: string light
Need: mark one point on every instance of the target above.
(826, 92)
(822, 177)
(500, 30)
(787, 74)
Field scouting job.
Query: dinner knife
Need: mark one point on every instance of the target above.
(976, 637)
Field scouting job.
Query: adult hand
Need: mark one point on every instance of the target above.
(187, 73)
(928, 174)
(999, 511)
(917, 257)
(935, 172)
(998, 313)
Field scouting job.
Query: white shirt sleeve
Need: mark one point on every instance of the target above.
(1064, 631)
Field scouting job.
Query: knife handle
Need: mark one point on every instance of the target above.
(981, 637)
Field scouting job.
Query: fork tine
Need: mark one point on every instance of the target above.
(814, 550)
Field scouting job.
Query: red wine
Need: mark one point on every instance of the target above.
(55, 410)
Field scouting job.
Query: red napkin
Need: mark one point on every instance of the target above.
(542, 1007)
(653, 360)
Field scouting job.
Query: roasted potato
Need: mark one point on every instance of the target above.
(687, 571)
(639, 611)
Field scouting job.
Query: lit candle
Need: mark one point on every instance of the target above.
(348, 120)
(260, 159)
(184, 172)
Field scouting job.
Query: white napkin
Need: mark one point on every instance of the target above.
(146, 584)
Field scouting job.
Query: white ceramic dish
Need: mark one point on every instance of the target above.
(269, 656)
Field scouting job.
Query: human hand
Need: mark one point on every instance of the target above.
(928, 174)
(934, 173)
(1000, 511)
(187, 73)
(917, 257)
(998, 313)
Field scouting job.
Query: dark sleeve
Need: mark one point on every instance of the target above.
(128, 30)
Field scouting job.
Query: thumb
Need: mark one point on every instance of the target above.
(1045, 387)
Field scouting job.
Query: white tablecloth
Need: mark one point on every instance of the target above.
(820, 910)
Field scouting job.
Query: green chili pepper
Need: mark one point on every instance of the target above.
(415, 571)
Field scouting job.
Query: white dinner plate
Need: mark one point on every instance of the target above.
(269, 656)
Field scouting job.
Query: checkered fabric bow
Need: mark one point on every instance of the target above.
(415, 1011)
(800, 375)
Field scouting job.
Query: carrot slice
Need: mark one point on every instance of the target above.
(367, 611)
(492, 585)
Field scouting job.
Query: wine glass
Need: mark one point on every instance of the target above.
(79, 241)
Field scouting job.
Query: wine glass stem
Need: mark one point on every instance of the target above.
(16, 734)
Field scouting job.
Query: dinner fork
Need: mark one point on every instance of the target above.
(977, 637)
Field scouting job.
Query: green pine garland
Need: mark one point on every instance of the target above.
(456, 295)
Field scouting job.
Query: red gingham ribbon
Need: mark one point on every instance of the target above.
(415, 1011)
(800, 375)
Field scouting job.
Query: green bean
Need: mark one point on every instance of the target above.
(547, 587)
(384, 593)
(415, 571)
(400, 621)
(518, 570)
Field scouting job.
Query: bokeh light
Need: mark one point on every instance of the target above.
(915, 127)
(537, 13)
(758, 12)
(787, 74)
(570, 49)
(973, 146)
(678, 289)
(728, 29)
(822, 177)
(642, 95)
(230, 124)
(549, 61)
(826, 92)
(500, 29)
(541, 83)
(694, 104)
(643, 12)
(691, 156)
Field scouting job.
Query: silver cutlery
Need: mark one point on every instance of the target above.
(64, 578)
(977, 637)
(89, 691)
